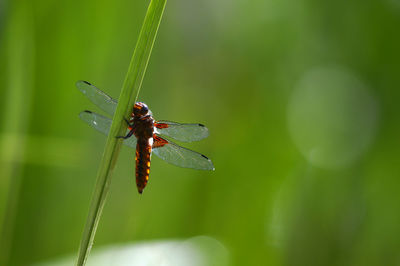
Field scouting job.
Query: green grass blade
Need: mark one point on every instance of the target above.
(19, 64)
(128, 97)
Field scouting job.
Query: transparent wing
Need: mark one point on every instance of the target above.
(98, 97)
(103, 124)
(179, 156)
(181, 132)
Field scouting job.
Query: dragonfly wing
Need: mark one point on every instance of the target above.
(181, 132)
(103, 124)
(179, 156)
(98, 97)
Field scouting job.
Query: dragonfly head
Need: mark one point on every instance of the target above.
(140, 109)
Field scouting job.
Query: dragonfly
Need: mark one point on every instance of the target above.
(146, 135)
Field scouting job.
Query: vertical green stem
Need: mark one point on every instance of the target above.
(19, 65)
(127, 98)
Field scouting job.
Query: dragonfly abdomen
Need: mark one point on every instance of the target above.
(143, 158)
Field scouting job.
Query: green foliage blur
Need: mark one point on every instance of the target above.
(301, 99)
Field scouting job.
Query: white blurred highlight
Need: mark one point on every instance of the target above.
(197, 251)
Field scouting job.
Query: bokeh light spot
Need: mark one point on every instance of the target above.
(332, 117)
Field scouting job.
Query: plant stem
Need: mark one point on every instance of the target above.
(127, 98)
(19, 65)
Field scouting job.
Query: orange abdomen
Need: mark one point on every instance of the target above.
(143, 157)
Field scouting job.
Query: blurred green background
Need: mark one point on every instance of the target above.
(301, 99)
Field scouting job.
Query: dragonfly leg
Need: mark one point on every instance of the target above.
(127, 122)
(130, 133)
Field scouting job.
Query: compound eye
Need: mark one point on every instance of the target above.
(145, 109)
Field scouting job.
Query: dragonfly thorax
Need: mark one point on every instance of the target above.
(142, 123)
